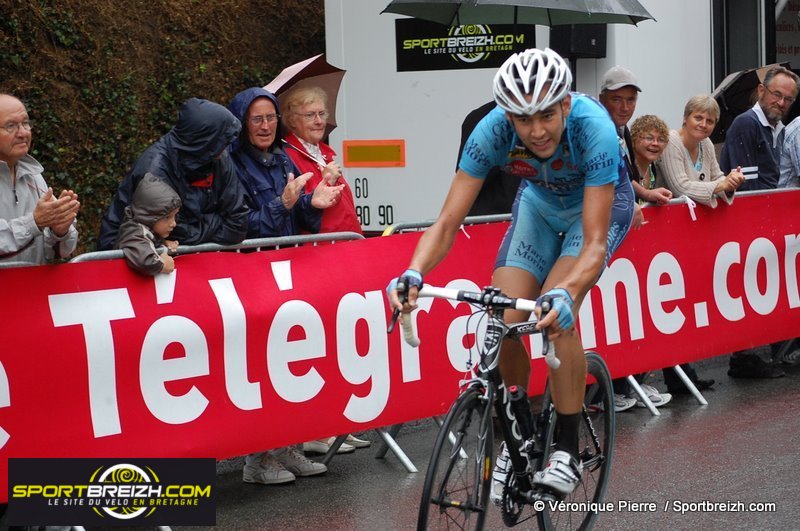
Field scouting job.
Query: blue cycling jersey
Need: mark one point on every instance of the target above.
(547, 220)
(588, 154)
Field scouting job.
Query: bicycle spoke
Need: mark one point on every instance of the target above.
(458, 479)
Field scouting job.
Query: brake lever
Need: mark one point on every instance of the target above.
(402, 295)
(393, 321)
(550, 357)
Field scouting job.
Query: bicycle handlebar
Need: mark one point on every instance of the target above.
(488, 298)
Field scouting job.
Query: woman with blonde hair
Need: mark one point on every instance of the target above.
(689, 164)
(649, 134)
(305, 114)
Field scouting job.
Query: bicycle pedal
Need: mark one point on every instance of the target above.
(546, 495)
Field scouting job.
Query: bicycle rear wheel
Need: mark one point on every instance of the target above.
(596, 445)
(456, 490)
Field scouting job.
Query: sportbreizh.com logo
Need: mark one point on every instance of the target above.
(111, 492)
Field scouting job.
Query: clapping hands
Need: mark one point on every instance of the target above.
(57, 214)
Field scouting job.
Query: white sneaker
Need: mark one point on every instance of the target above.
(623, 403)
(658, 399)
(322, 447)
(501, 469)
(355, 442)
(562, 473)
(268, 471)
(298, 464)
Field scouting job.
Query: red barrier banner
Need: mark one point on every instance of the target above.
(241, 352)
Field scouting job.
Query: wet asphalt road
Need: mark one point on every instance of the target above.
(742, 447)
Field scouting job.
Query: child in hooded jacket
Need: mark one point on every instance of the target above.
(149, 220)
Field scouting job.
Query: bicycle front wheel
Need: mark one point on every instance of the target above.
(459, 476)
(596, 446)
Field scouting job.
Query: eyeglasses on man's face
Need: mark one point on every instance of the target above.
(778, 95)
(261, 118)
(12, 127)
(311, 116)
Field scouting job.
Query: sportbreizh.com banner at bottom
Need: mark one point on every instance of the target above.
(111, 492)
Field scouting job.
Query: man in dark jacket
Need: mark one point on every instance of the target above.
(754, 140)
(192, 159)
(278, 207)
(271, 181)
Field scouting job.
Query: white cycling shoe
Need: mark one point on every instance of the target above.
(562, 473)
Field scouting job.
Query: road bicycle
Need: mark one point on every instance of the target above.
(455, 494)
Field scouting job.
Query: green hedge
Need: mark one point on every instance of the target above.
(102, 80)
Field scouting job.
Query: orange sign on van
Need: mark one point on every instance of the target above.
(374, 153)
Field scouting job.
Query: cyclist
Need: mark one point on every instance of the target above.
(572, 210)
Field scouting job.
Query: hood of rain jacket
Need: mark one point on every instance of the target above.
(193, 160)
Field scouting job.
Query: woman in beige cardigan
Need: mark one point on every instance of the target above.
(689, 164)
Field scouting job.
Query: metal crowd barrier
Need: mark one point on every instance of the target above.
(4, 265)
(256, 244)
(422, 225)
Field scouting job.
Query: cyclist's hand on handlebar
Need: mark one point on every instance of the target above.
(402, 291)
(554, 310)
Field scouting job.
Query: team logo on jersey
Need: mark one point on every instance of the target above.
(521, 169)
(557, 164)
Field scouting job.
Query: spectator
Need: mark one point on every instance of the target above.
(149, 220)
(265, 136)
(191, 158)
(35, 226)
(755, 140)
(689, 165)
(305, 113)
(649, 135)
(278, 204)
(790, 178)
(619, 92)
(500, 187)
(278, 207)
(790, 156)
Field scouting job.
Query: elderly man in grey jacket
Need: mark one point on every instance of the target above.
(35, 225)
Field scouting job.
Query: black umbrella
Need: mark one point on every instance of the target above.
(735, 94)
(543, 12)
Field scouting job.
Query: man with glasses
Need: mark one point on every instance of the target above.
(35, 225)
(754, 140)
(274, 187)
(278, 207)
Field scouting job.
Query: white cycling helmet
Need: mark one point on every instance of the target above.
(529, 73)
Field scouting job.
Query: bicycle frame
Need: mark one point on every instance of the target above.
(488, 374)
(488, 370)
(526, 456)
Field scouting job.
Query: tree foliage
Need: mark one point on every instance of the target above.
(102, 80)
